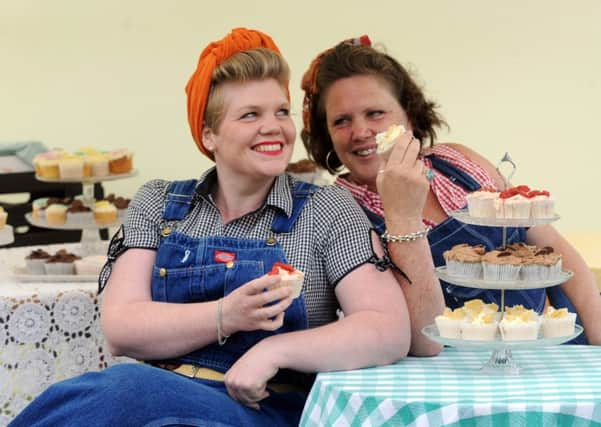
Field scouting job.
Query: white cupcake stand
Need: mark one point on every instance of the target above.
(501, 361)
(6, 235)
(91, 242)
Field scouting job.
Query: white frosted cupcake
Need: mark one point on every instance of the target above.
(449, 323)
(519, 324)
(501, 265)
(542, 206)
(464, 260)
(481, 328)
(558, 323)
(474, 307)
(516, 207)
(481, 204)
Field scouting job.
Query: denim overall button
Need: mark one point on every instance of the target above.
(162, 272)
(166, 231)
(229, 264)
(271, 241)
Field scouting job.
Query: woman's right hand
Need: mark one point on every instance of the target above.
(258, 304)
(402, 183)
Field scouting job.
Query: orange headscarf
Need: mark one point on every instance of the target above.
(197, 89)
(309, 80)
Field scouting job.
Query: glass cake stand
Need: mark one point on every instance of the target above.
(501, 361)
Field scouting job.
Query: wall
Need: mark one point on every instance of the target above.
(523, 77)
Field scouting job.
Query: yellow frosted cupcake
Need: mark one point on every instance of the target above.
(105, 213)
(3, 217)
(519, 324)
(449, 323)
(481, 328)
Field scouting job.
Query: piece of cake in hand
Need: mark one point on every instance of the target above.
(519, 324)
(558, 322)
(387, 139)
(290, 277)
(449, 323)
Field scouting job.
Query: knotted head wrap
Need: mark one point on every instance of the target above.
(309, 81)
(199, 85)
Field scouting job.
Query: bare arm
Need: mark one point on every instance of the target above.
(403, 189)
(374, 331)
(138, 327)
(582, 288)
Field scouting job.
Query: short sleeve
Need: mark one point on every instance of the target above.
(346, 230)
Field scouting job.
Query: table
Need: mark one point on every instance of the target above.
(559, 386)
(48, 332)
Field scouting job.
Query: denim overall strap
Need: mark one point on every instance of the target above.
(455, 175)
(179, 199)
(301, 191)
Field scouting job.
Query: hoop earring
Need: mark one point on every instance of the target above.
(330, 168)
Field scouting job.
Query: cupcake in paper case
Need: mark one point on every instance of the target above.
(545, 264)
(521, 250)
(542, 205)
(481, 328)
(481, 203)
(463, 260)
(449, 323)
(3, 217)
(90, 265)
(70, 167)
(105, 213)
(62, 262)
(501, 265)
(38, 208)
(519, 324)
(79, 214)
(515, 207)
(474, 307)
(289, 277)
(56, 214)
(558, 323)
(120, 161)
(121, 203)
(35, 261)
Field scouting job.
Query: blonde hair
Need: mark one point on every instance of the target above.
(249, 65)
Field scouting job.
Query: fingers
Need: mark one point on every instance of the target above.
(246, 396)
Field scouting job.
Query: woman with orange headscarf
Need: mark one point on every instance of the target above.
(195, 284)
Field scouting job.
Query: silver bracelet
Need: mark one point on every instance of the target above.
(406, 237)
(221, 337)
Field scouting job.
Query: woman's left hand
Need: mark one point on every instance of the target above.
(402, 183)
(246, 381)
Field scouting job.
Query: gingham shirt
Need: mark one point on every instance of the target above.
(329, 240)
(450, 195)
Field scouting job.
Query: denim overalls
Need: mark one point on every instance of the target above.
(452, 232)
(186, 270)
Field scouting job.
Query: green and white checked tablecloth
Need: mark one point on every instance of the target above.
(558, 386)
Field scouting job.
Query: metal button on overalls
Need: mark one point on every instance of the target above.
(270, 241)
(162, 272)
(166, 231)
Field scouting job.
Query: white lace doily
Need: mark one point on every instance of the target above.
(48, 332)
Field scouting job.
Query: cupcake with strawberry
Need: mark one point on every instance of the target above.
(289, 277)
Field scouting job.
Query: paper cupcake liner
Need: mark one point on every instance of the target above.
(80, 218)
(470, 270)
(558, 327)
(501, 272)
(521, 210)
(537, 272)
(542, 209)
(519, 332)
(478, 208)
(470, 331)
(448, 328)
(35, 266)
(59, 268)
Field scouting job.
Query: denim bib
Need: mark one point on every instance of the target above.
(189, 270)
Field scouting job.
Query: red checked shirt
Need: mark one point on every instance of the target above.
(450, 195)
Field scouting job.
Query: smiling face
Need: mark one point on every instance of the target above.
(255, 137)
(357, 108)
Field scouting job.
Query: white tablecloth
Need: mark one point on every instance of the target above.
(48, 332)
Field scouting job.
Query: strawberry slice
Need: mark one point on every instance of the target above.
(275, 269)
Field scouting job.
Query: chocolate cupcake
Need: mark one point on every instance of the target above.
(79, 214)
(35, 261)
(62, 262)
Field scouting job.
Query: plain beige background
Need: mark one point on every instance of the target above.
(517, 76)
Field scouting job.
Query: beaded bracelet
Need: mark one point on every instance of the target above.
(406, 237)
(221, 337)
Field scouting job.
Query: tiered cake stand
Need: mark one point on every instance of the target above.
(90, 236)
(501, 360)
